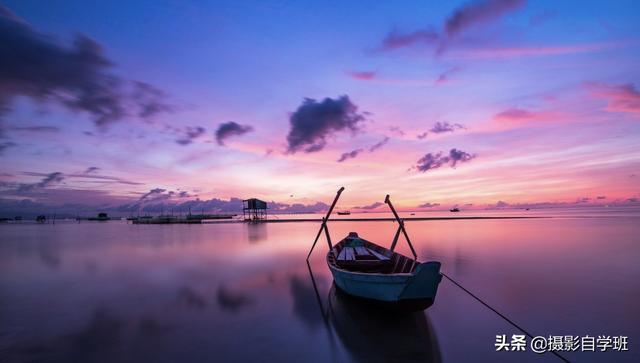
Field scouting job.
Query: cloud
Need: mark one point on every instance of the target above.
(478, 12)
(349, 155)
(466, 17)
(362, 75)
(434, 161)
(151, 193)
(48, 180)
(371, 206)
(396, 130)
(39, 189)
(230, 129)
(522, 116)
(620, 98)
(501, 204)
(190, 134)
(441, 127)
(395, 39)
(445, 76)
(231, 300)
(313, 122)
(429, 205)
(379, 144)
(36, 128)
(5, 145)
(70, 202)
(77, 76)
(150, 100)
(508, 52)
(298, 207)
(101, 179)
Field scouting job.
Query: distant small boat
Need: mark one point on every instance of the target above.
(413, 214)
(344, 213)
(101, 217)
(454, 210)
(379, 275)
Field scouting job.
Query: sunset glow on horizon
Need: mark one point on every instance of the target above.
(485, 103)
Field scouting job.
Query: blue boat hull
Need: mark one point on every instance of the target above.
(405, 291)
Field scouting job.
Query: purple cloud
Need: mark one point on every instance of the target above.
(379, 144)
(395, 39)
(397, 130)
(429, 205)
(48, 180)
(36, 128)
(230, 129)
(5, 145)
(371, 206)
(434, 161)
(478, 12)
(349, 155)
(446, 75)
(441, 127)
(461, 20)
(77, 77)
(313, 122)
(190, 134)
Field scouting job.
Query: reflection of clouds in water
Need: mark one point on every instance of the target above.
(305, 302)
(232, 301)
(106, 337)
(191, 298)
(49, 255)
(455, 259)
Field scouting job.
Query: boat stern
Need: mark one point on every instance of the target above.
(424, 282)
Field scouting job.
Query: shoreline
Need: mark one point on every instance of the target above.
(386, 219)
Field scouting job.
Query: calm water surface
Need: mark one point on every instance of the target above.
(112, 291)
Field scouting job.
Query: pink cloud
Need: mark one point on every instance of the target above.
(362, 75)
(530, 51)
(621, 98)
(520, 116)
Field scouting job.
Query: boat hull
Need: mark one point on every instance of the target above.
(402, 291)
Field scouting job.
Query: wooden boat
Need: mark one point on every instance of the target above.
(344, 213)
(379, 275)
(454, 210)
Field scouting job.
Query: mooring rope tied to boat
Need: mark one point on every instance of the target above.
(500, 314)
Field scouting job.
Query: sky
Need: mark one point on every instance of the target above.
(126, 105)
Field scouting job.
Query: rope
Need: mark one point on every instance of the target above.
(500, 314)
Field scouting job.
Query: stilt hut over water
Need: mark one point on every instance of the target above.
(254, 209)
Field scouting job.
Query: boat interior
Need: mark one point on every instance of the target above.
(356, 254)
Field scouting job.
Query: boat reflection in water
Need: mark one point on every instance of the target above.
(374, 335)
